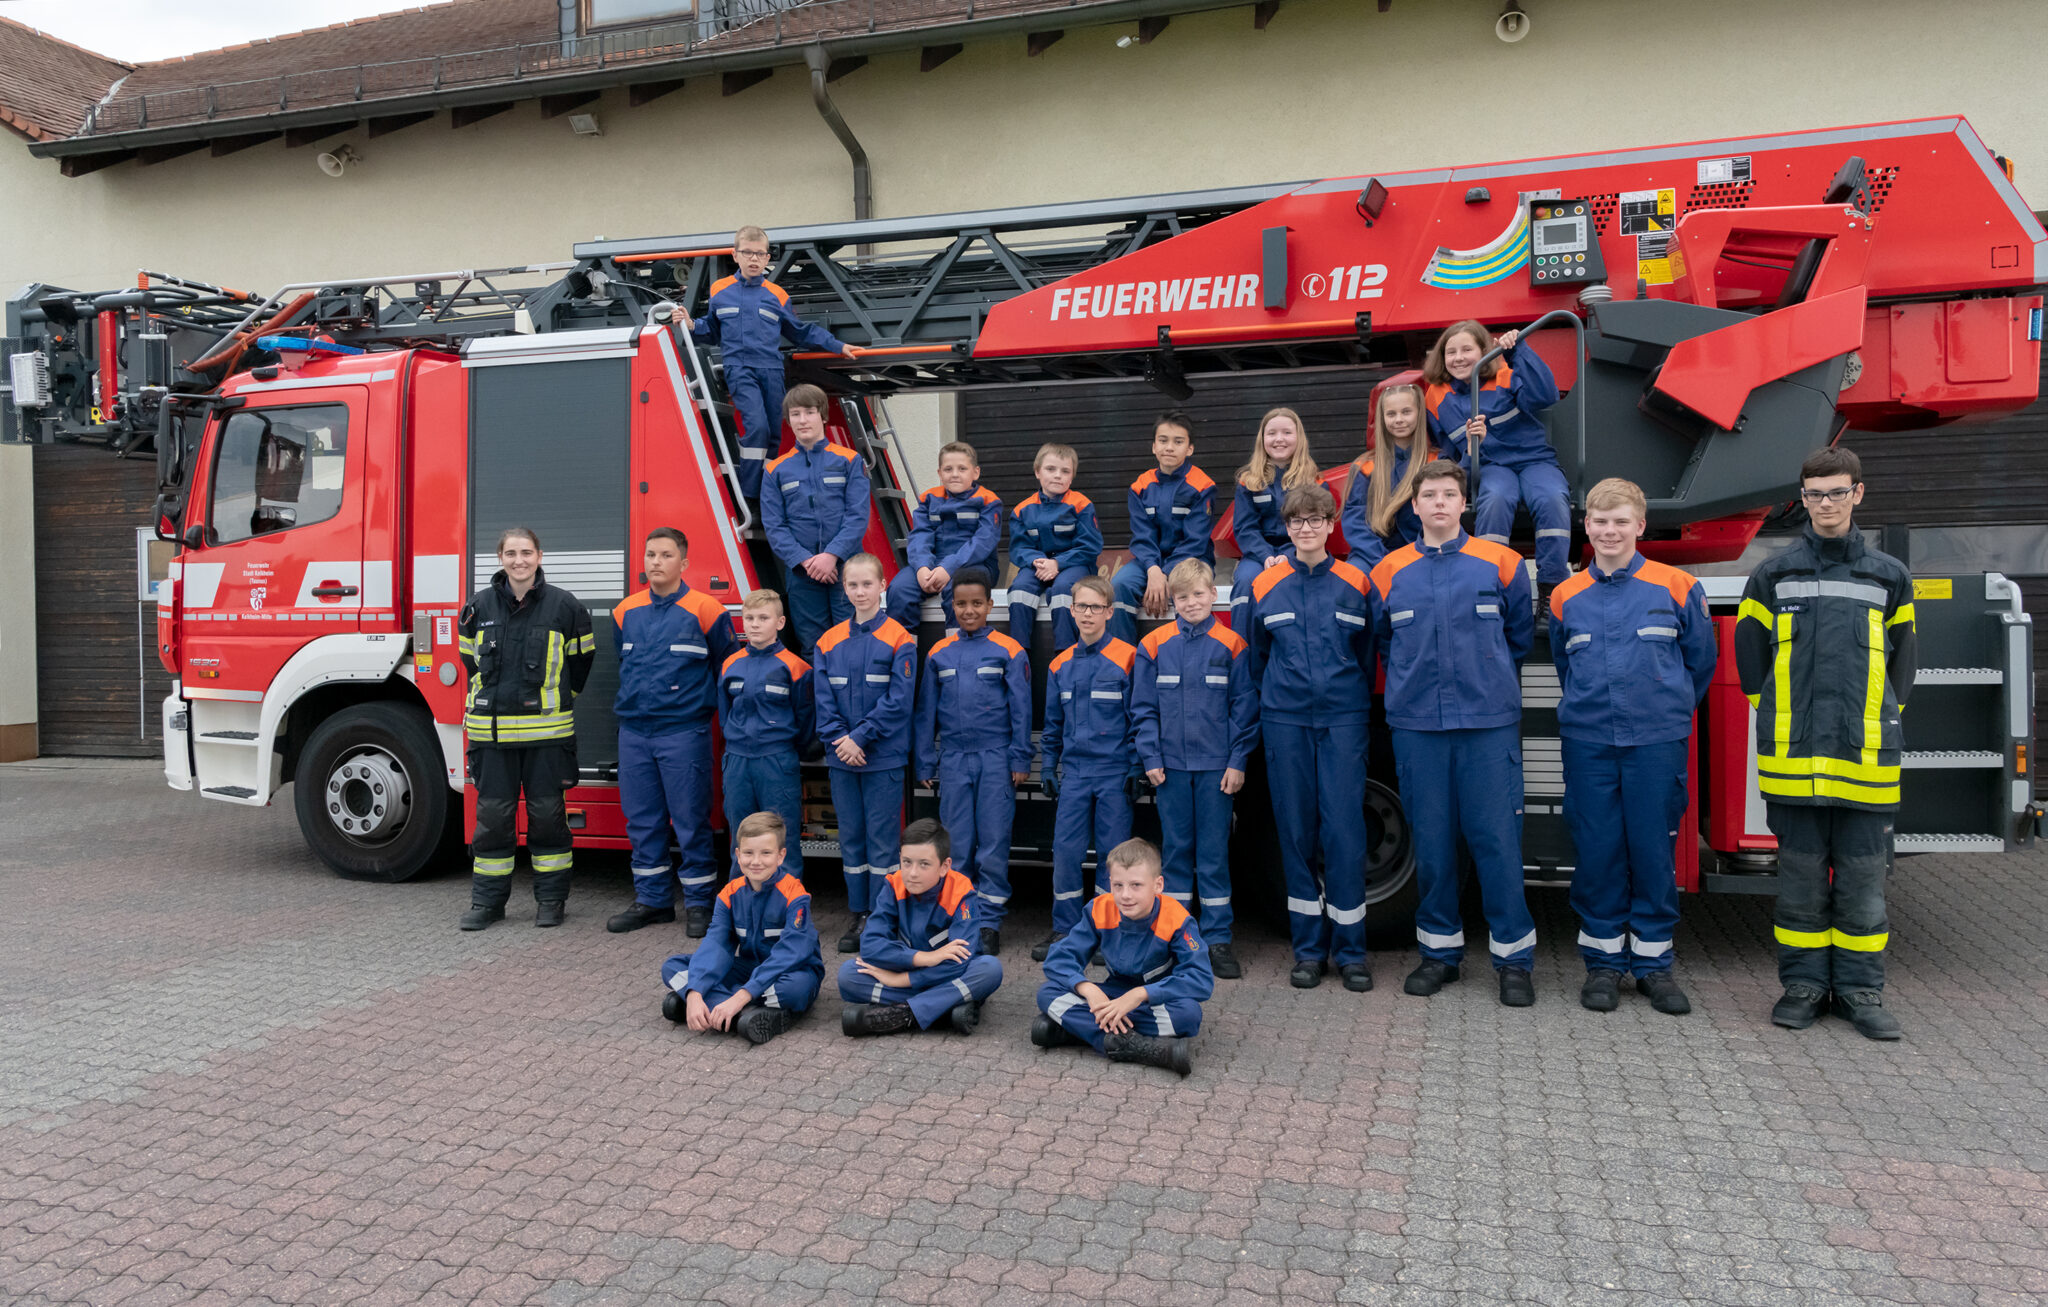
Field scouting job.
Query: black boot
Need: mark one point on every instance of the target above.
(1149, 1050)
(1223, 961)
(1044, 946)
(637, 915)
(1307, 974)
(1357, 977)
(876, 1019)
(487, 898)
(1865, 1007)
(1663, 993)
(850, 941)
(1799, 1008)
(1517, 988)
(695, 921)
(991, 941)
(675, 1007)
(1429, 977)
(965, 1016)
(1602, 990)
(761, 1023)
(551, 895)
(1048, 1033)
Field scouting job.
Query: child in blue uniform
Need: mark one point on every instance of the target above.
(1635, 651)
(1088, 756)
(865, 702)
(814, 510)
(1379, 513)
(1150, 1005)
(671, 641)
(767, 713)
(919, 963)
(1280, 463)
(974, 743)
(1195, 711)
(1054, 541)
(758, 968)
(1455, 622)
(1505, 435)
(956, 525)
(1170, 507)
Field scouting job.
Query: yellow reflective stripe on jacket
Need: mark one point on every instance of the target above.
(1803, 938)
(1781, 686)
(1862, 943)
(585, 643)
(1905, 614)
(1873, 693)
(524, 729)
(1867, 773)
(467, 644)
(551, 675)
(1753, 611)
(1824, 787)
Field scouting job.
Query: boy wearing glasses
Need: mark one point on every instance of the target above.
(1312, 647)
(1824, 644)
(748, 321)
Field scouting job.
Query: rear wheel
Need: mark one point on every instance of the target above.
(370, 793)
(1391, 890)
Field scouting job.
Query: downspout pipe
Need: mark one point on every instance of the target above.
(863, 198)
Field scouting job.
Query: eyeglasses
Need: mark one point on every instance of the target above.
(1833, 495)
(1091, 608)
(750, 254)
(1307, 523)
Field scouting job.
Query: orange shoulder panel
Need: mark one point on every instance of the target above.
(1352, 576)
(1678, 583)
(792, 888)
(722, 283)
(1077, 501)
(1145, 480)
(895, 879)
(945, 642)
(1062, 658)
(1228, 638)
(835, 637)
(1157, 638)
(732, 887)
(1361, 466)
(1199, 479)
(638, 599)
(893, 634)
(1501, 380)
(779, 460)
(705, 609)
(1383, 574)
(1172, 916)
(953, 891)
(1104, 914)
(1263, 583)
(840, 450)
(1566, 588)
(1502, 557)
(776, 290)
(798, 668)
(730, 659)
(1004, 643)
(1434, 396)
(1026, 502)
(1121, 654)
(986, 496)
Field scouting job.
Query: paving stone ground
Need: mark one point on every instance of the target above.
(228, 1077)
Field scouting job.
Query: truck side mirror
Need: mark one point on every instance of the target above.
(195, 537)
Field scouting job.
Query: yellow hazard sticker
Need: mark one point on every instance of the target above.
(1937, 588)
(1651, 217)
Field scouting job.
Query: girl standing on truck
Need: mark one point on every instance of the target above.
(1501, 438)
(1279, 463)
(1379, 507)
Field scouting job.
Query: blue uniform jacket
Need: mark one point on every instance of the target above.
(903, 924)
(1256, 522)
(1634, 650)
(1455, 624)
(766, 932)
(765, 703)
(1088, 710)
(975, 698)
(1513, 403)
(670, 648)
(1195, 706)
(869, 690)
(815, 501)
(1063, 530)
(749, 320)
(1367, 547)
(1170, 517)
(1165, 953)
(953, 533)
(1312, 643)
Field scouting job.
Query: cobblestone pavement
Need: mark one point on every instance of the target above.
(230, 1077)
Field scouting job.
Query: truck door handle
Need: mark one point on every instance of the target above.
(331, 591)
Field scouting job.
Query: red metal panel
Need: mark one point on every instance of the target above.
(1714, 374)
(1729, 741)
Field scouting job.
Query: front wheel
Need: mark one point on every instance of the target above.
(370, 794)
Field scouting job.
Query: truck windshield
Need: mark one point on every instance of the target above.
(277, 468)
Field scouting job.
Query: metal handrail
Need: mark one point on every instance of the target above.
(1551, 318)
(699, 376)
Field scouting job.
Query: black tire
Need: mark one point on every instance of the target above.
(376, 768)
(1391, 890)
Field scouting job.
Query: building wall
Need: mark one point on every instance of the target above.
(17, 605)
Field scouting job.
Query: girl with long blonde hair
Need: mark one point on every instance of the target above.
(1280, 462)
(1379, 512)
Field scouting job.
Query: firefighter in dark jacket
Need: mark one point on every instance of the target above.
(1824, 645)
(528, 647)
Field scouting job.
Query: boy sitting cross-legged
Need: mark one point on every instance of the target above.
(918, 961)
(758, 968)
(1151, 1003)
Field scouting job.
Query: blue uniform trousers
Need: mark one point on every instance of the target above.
(905, 598)
(1625, 805)
(1194, 837)
(1542, 487)
(978, 804)
(932, 992)
(1168, 1020)
(1469, 783)
(1095, 806)
(1029, 597)
(814, 607)
(757, 399)
(869, 806)
(1129, 585)
(795, 991)
(1316, 776)
(771, 784)
(664, 784)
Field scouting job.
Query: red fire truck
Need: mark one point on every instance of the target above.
(336, 458)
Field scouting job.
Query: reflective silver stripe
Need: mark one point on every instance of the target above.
(1123, 607)
(965, 514)
(792, 485)
(1274, 619)
(769, 998)
(752, 455)
(856, 870)
(1499, 540)
(1352, 619)
(696, 880)
(1649, 948)
(1671, 631)
(772, 932)
(1584, 637)
(1501, 950)
(1067, 527)
(1305, 907)
(1158, 971)
(680, 981)
(988, 671)
(1868, 594)
(1164, 1020)
(1184, 898)
(879, 996)
(1072, 894)
(1216, 680)
(965, 993)
(688, 648)
(999, 902)
(1062, 1005)
(782, 690)
(1223, 902)
(1067, 601)
(1401, 616)
(1439, 941)
(1182, 512)
(945, 672)
(882, 679)
(1240, 599)
(1348, 916)
(741, 931)
(1023, 598)
(627, 645)
(1604, 945)
(938, 939)
(1553, 533)
(650, 871)
(836, 680)
(1066, 695)
(1105, 694)
(1262, 499)
(1169, 680)
(833, 481)
(1487, 610)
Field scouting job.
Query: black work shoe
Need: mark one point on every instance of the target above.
(1602, 990)
(481, 915)
(1663, 993)
(1150, 1050)
(1798, 1009)
(695, 921)
(1429, 977)
(876, 1019)
(1517, 989)
(1048, 1033)
(1044, 946)
(1306, 975)
(965, 1016)
(1223, 962)
(991, 941)
(1865, 1009)
(549, 912)
(761, 1023)
(637, 915)
(1096, 959)
(1357, 976)
(850, 941)
(675, 1007)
